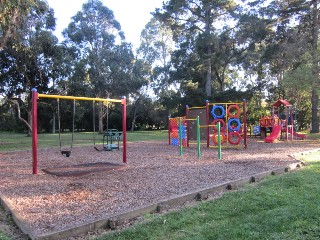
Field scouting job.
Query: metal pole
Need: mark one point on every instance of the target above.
(169, 130)
(245, 123)
(292, 122)
(207, 122)
(124, 129)
(188, 125)
(180, 137)
(198, 137)
(287, 127)
(34, 131)
(79, 98)
(219, 142)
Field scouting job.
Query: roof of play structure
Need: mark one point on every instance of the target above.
(281, 102)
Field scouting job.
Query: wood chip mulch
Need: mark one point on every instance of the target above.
(155, 171)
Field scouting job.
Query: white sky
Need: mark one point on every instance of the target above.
(133, 15)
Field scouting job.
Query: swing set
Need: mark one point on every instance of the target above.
(67, 153)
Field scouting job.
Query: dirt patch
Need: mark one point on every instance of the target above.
(154, 172)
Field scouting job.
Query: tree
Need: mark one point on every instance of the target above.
(297, 84)
(26, 63)
(287, 48)
(104, 62)
(196, 22)
(298, 28)
(13, 15)
(139, 108)
(155, 50)
(315, 68)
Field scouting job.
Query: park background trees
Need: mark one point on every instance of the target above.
(190, 51)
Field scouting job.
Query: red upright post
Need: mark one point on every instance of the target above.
(207, 122)
(124, 129)
(291, 122)
(288, 117)
(34, 131)
(245, 123)
(169, 130)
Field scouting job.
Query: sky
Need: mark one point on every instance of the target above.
(133, 15)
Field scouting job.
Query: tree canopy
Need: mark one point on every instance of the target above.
(190, 51)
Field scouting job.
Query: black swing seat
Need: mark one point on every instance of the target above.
(97, 149)
(66, 153)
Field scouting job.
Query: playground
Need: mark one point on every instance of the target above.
(50, 191)
(47, 203)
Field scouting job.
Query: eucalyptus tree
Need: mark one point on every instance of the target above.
(104, 62)
(196, 27)
(138, 112)
(296, 39)
(26, 62)
(304, 69)
(155, 50)
(315, 68)
(13, 15)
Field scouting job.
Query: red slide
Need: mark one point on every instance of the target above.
(275, 134)
(299, 135)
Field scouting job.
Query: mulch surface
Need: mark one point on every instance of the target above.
(91, 185)
(83, 169)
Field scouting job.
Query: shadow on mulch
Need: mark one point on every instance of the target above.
(83, 169)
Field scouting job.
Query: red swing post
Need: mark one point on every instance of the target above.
(34, 110)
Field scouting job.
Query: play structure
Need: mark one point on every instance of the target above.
(230, 117)
(281, 123)
(111, 137)
(178, 133)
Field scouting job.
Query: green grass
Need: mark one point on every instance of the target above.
(3, 236)
(279, 207)
(314, 136)
(15, 141)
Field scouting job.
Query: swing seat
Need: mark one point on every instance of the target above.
(66, 153)
(97, 149)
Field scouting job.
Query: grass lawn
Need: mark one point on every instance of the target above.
(312, 136)
(3, 236)
(16, 141)
(279, 207)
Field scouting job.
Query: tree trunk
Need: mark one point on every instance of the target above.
(30, 122)
(132, 124)
(208, 86)
(9, 31)
(100, 116)
(314, 109)
(134, 119)
(315, 71)
(54, 122)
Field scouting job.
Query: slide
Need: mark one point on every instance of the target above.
(298, 135)
(275, 134)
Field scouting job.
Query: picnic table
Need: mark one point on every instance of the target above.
(111, 139)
